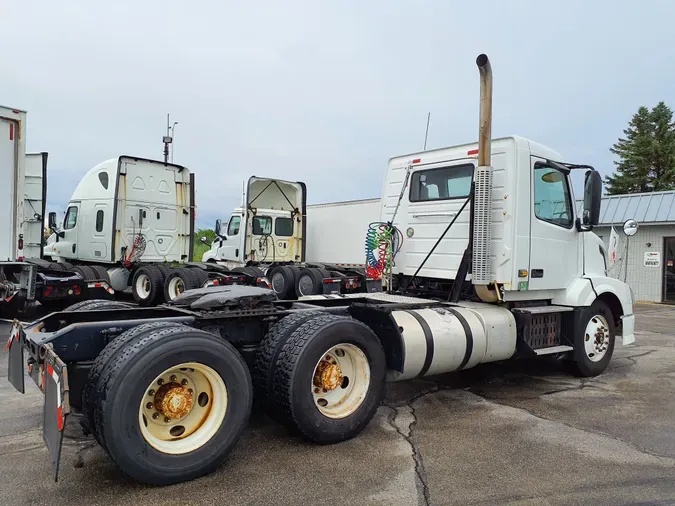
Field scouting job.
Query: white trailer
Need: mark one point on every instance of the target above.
(25, 278)
(168, 391)
(336, 231)
(13, 170)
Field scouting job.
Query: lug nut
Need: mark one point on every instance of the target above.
(155, 416)
(316, 390)
(167, 419)
(189, 390)
(183, 382)
(173, 377)
(149, 405)
(160, 381)
(151, 392)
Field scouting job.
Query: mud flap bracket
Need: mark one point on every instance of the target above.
(56, 407)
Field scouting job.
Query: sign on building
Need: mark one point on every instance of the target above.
(652, 259)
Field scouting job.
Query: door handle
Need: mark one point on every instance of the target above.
(441, 215)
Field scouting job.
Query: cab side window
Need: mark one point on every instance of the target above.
(71, 218)
(233, 227)
(552, 197)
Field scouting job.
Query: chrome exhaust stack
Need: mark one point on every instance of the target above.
(482, 201)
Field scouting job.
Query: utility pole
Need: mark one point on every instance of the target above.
(426, 134)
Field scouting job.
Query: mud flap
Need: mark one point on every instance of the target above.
(56, 407)
(15, 367)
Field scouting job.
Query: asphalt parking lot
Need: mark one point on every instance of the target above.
(505, 434)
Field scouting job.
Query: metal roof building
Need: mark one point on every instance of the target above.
(647, 208)
(652, 280)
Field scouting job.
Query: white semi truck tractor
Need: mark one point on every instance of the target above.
(491, 262)
(302, 249)
(130, 223)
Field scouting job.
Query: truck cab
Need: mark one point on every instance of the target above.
(269, 229)
(120, 200)
(540, 248)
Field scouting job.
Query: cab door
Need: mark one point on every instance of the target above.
(554, 248)
(231, 244)
(67, 244)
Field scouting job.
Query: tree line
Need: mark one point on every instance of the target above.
(645, 154)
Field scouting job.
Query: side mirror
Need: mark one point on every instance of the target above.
(592, 198)
(630, 227)
(219, 228)
(203, 240)
(52, 221)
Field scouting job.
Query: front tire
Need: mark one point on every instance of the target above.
(198, 387)
(594, 339)
(329, 378)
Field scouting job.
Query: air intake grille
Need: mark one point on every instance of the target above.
(482, 226)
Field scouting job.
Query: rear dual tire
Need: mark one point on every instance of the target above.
(324, 376)
(205, 373)
(180, 280)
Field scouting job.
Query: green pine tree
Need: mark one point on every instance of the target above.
(646, 153)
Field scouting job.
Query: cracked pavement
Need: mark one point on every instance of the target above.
(514, 433)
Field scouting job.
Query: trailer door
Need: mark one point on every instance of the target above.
(8, 189)
(34, 204)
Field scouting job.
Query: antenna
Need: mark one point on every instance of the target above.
(426, 134)
(168, 138)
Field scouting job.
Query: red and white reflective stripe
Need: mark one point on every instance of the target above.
(59, 408)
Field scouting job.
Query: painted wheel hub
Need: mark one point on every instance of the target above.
(173, 401)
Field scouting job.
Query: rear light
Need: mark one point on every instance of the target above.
(48, 290)
(472, 152)
(76, 290)
(330, 281)
(416, 160)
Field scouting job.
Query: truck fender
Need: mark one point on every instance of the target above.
(616, 294)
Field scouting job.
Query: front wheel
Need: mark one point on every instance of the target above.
(594, 340)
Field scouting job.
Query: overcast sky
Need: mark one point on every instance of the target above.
(318, 91)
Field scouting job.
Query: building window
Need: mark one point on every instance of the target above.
(71, 218)
(99, 220)
(552, 201)
(441, 184)
(233, 227)
(283, 227)
(262, 225)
